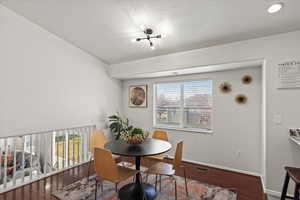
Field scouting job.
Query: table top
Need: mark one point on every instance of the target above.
(149, 147)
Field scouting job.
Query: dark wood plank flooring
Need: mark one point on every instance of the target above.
(248, 187)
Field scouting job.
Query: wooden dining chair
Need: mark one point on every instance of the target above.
(107, 169)
(294, 174)
(160, 135)
(165, 169)
(97, 139)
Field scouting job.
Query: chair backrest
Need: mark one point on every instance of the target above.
(161, 135)
(105, 165)
(98, 139)
(178, 156)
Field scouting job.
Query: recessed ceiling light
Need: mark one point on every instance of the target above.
(164, 35)
(275, 8)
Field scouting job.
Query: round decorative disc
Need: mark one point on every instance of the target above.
(247, 79)
(241, 99)
(225, 87)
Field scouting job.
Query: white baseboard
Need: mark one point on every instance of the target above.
(222, 167)
(273, 193)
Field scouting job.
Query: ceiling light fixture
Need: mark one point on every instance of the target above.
(148, 32)
(275, 8)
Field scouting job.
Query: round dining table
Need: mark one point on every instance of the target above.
(150, 147)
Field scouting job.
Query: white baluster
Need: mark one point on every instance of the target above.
(38, 153)
(30, 151)
(5, 163)
(23, 158)
(15, 161)
(89, 139)
(1, 174)
(67, 149)
(82, 145)
(73, 150)
(44, 140)
(52, 151)
(63, 148)
(56, 150)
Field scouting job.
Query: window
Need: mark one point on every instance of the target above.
(184, 105)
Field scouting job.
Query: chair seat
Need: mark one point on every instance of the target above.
(158, 157)
(161, 168)
(125, 173)
(294, 173)
(116, 156)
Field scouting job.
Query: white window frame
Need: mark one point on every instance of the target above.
(181, 128)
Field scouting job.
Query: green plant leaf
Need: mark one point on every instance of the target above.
(113, 117)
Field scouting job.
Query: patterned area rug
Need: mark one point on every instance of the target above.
(82, 190)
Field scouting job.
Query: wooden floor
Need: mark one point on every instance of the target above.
(248, 187)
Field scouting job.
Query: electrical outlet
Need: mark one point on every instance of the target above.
(238, 153)
(277, 119)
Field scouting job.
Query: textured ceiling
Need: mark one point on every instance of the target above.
(104, 28)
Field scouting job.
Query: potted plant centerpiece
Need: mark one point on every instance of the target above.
(134, 136)
(122, 130)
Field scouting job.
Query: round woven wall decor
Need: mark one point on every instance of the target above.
(241, 99)
(247, 79)
(225, 87)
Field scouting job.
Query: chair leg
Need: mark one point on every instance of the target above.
(141, 178)
(285, 187)
(116, 187)
(102, 186)
(96, 186)
(160, 183)
(296, 194)
(155, 182)
(175, 188)
(185, 180)
(89, 168)
(147, 178)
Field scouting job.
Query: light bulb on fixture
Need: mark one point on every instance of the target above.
(151, 46)
(143, 27)
(164, 35)
(275, 8)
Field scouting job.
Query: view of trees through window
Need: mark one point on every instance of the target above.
(184, 104)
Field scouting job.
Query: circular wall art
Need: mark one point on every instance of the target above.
(138, 96)
(247, 79)
(225, 87)
(241, 99)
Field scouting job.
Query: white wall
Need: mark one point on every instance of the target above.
(229, 133)
(273, 50)
(46, 83)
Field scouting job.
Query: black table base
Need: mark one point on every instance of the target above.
(150, 147)
(137, 190)
(131, 192)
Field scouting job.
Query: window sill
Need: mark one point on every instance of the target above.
(184, 129)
